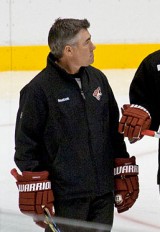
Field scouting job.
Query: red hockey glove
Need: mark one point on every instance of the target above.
(34, 194)
(134, 120)
(126, 183)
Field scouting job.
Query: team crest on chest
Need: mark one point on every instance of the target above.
(97, 93)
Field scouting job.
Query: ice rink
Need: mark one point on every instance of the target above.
(143, 216)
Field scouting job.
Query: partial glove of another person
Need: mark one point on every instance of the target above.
(134, 120)
(34, 194)
(126, 183)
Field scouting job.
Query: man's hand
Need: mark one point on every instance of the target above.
(134, 120)
(126, 183)
(34, 194)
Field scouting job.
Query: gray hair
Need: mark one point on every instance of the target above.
(63, 32)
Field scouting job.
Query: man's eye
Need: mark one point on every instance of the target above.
(88, 41)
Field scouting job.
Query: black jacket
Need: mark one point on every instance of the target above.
(145, 89)
(75, 139)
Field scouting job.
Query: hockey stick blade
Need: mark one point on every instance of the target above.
(49, 220)
(151, 133)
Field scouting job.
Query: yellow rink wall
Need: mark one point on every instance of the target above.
(107, 56)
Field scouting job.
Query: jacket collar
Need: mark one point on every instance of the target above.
(51, 64)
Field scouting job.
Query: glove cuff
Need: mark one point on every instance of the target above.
(35, 176)
(125, 167)
(141, 108)
(30, 176)
(33, 187)
(127, 170)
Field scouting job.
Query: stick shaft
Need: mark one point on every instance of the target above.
(151, 133)
(50, 221)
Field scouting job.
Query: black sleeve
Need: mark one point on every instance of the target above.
(30, 125)
(143, 89)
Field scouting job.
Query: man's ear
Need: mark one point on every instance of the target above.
(68, 50)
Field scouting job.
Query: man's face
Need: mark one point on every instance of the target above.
(83, 50)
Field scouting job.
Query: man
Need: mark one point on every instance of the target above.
(67, 127)
(145, 100)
